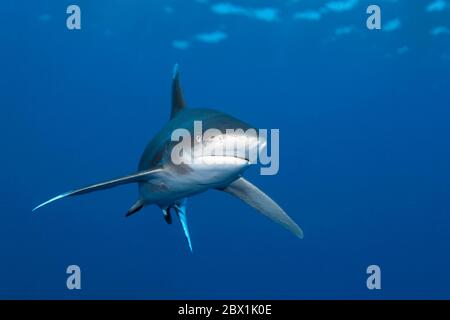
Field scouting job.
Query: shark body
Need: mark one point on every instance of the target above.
(168, 185)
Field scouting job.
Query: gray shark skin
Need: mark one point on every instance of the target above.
(168, 185)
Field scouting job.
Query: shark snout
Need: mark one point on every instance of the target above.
(238, 146)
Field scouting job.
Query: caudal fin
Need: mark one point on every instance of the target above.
(138, 177)
(180, 208)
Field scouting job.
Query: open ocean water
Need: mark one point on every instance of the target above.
(364, 120)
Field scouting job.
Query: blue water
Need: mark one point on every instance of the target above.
(364, 119)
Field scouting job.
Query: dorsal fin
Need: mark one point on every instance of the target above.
(177, 93)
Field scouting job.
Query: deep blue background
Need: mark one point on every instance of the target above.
(365, 150)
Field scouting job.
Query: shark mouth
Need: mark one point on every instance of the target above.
(217, 159)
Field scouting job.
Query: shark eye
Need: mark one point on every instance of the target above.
(198, 138)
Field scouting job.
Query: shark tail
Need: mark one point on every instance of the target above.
(180, 208)
(137, 177)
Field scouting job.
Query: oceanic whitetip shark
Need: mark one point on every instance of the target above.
(168, 185)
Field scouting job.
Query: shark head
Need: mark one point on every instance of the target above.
(216, 154)
(233, 143)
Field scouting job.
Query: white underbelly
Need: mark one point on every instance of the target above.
(205, 173)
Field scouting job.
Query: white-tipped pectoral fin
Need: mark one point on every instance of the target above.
(53, 199)
(257, 199)
(137, 177)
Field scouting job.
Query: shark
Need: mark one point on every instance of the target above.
(168, 184)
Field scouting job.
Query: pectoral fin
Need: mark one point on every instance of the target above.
(137, 177)
(257, 199)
